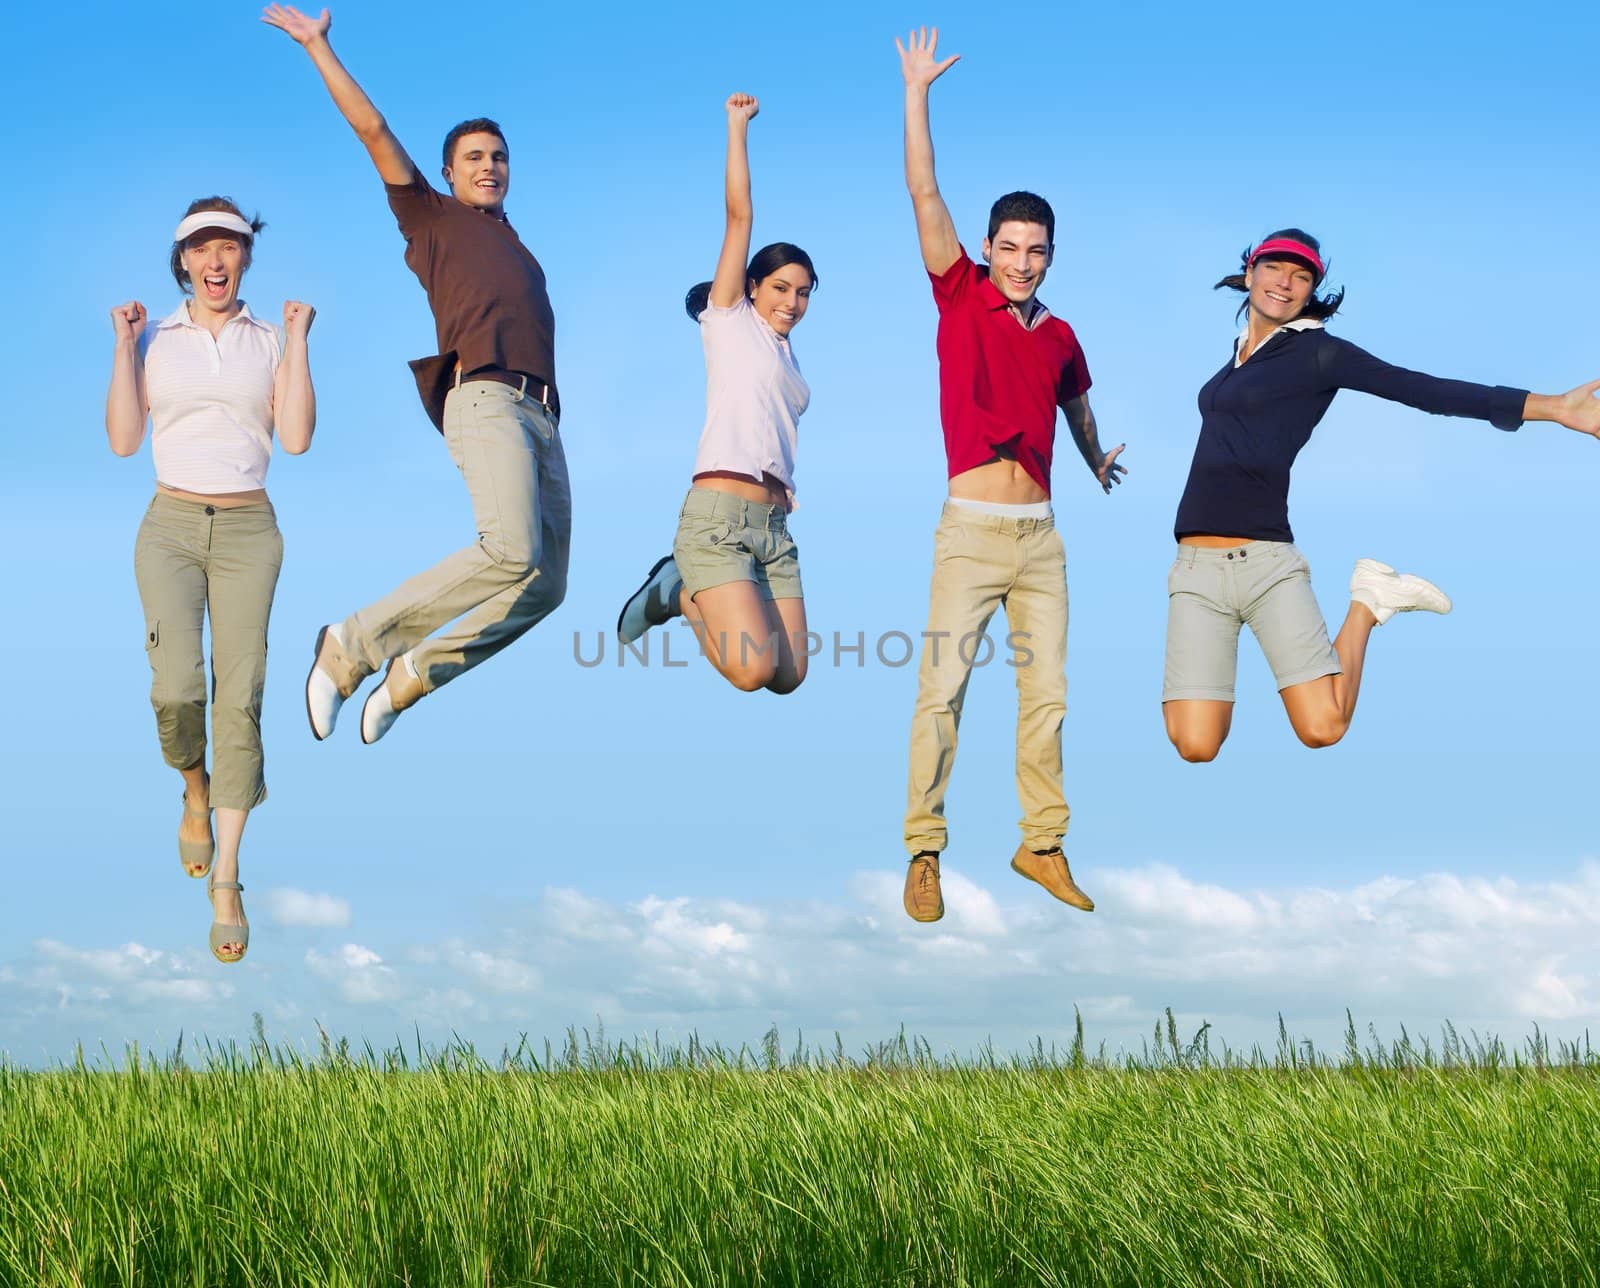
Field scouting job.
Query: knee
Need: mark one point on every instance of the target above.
(781, 683)
(1323, 731)
(514, 553)
(752, 675)
(549, 585)
(1197, 751)
(173, 696)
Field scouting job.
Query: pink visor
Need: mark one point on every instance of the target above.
(1288, 246)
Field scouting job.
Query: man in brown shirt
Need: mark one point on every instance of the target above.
(490, 390)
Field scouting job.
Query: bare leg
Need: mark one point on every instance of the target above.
(230, 830)
(738, 633)
(1199, 726)
(197, 796)
(1321, 710)
(790, 623)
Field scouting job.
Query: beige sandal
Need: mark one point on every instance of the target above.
(227, 932)
(196, 856)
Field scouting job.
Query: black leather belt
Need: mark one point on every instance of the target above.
(541, 390)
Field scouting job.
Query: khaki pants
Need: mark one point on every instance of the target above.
(508, 450)
(981, 562)
(190, 558)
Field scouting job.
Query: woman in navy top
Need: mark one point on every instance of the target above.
(1236, 563)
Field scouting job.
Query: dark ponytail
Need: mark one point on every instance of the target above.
(697, 299)
(767, 261)
(1319, 308)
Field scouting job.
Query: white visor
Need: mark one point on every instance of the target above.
(224, 219)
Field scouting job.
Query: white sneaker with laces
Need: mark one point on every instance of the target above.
(653, 603)
(1387, 592)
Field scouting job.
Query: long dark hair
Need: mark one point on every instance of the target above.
(1320, 308)
(228, 205)
(767, 261)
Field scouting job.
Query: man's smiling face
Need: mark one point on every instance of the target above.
(1018, 255)
(480, 171)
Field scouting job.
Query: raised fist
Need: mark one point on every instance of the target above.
(127, 320)
(297, 319)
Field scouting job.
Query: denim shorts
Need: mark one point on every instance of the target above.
(723, 538)
(1265, 585)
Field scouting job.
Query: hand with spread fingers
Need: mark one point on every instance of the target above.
(1110, 472)
(919, 58)
(300, 27)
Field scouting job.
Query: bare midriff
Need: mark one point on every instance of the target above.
(769, 489)
(221, 500)
(1210, 542)
(999, 482)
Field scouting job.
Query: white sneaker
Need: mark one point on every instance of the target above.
(332, 679)
(399, 689)
(1387, 592)
(653, 603)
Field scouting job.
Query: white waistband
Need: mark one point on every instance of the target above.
(1033, 510)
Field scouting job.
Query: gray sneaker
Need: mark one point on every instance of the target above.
(653, 603)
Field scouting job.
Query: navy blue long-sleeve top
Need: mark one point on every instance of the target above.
(1255, 418)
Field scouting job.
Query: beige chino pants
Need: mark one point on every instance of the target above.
(983, 562)
(509, 452)
(191, 559)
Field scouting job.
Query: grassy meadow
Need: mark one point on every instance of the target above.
(1448, 1162)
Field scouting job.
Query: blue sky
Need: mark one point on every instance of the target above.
(544, 843)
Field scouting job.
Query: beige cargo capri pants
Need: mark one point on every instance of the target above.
(190, 558)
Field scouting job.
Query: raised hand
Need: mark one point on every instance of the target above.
(742, 107)
(919, 60)
(1110, 472)
(127, 320)
(301, 28)
(297, 319)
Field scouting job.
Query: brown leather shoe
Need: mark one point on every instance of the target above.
(923, 900)
(1051, 871)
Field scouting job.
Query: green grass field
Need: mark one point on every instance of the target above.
(1449, 1163)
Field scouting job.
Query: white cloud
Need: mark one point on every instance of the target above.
(357, 974)
(1006, 961)
(289, 907)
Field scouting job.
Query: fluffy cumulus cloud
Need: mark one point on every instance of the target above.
(1005, 963)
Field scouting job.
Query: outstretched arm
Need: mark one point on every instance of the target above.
(394, 166)
(727, 285)
(1086, 434)
(935, 229)
(294, 401)
(127, 407)
(1577, 409)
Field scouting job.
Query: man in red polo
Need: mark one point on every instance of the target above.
(1005, 365)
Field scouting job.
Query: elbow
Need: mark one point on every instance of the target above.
(370, 129)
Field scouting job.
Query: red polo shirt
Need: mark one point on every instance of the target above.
(1000, 382)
